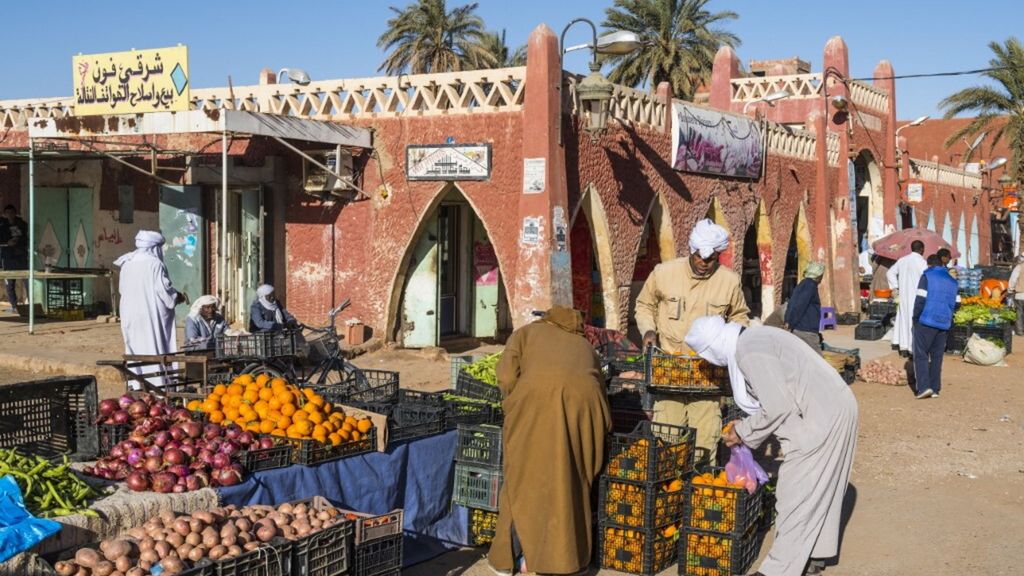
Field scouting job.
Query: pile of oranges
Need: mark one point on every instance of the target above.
(265, 405)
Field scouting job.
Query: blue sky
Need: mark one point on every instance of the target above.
(337, 39)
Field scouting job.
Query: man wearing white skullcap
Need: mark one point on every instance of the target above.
(677, 293)
(147, 300)
(789, 391)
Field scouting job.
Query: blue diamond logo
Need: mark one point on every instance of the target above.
(179, 79)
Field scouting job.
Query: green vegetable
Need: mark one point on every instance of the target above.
(484, 369)
(982, 314)
(50, 490)
(466, 400)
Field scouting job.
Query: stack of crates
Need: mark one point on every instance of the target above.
(641, 497)
(478, 478)
(722, 528)
(626, 376)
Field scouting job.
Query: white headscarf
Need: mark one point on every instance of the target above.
(146, 242)
(715, 341)
(262, 292)
(204, 300)
(708, 238)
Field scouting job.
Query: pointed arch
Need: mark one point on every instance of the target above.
(931, 220)
(798, 253)
(947, 231)
(974, 245)
(592, 211)
(961, 241)
(757, 279)
(717, 215)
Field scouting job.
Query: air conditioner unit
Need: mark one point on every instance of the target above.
(319, 182)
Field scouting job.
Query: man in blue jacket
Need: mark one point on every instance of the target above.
(803, 312)
(933, 315)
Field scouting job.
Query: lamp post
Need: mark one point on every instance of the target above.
(769, 99)
(595, 90)
(295, 75)
(899, 152)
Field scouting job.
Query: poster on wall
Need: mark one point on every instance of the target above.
(534, 171)
(710, 142)
(915, 192)
(448, 162)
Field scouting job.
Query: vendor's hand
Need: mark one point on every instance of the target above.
(730, 436)
(650, 339)
(182, 298)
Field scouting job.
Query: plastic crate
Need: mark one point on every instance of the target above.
(636, 550)
(956, 339)
(460, 410)
(721, 509)
(363, 386)
(109, 435)
(479, 444)
(731, 413)
(869, 330)
(378, 557)
(279, 456)
(883, 310)
(466, 385)
(274, 559)
(412, 419)
(627, 371)
(716, 555)
(369, 527)
(482, 525)
(311, 452)
(477, 486)
(1000, 334)
(652, 452)
(259, 345)
(629, 394)
(641, 504)
(202, 568)
(685, 374)
(625, 421)
(325, 552)
(50, 418)
(460, 362)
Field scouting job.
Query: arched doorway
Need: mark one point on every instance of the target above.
(716, 215)
(931, 221)
(656, 245)
(961, 242)
(756, 278)
(974, 245)
(869, 207)
(947, 232)
(451, 286)
(594, 288)
(798, 254)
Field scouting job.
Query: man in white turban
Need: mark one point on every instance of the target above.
(203, 323)
(147, 300)
(266, 314)
(677, 293)
(791, 392)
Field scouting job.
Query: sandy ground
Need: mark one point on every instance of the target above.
(937, 487)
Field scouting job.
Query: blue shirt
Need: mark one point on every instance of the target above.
(803, 312)
(263, 320)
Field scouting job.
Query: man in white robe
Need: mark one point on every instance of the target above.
(903, 277)
(790, 392)
(147, 300)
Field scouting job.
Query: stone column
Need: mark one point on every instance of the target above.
(890, 176)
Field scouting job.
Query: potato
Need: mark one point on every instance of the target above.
(146, 543)
(197, 554)
(203, 516)
(167, 517)
(138, 532)
(148, 556)
(234, 551)
(87, 558)
(250, 546)
(217, 551)
(135, 572)
(123, 564)
(172, 566)
(162, 549)
(184, 550)
(182, 526)
(103, 568)
(65, 568)
(175, 540)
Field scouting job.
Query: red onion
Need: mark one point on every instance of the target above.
(125, 401)
(192, 429)
(214, 445)
(229, 448)
(211, 431)
(107, 408)
(117, 451)
(232, 432)
(154, 464)
(135, 456)
(172, 444)
(120, 417)
(196, 481)
(189, 450)
(179, 470)
(221, 460)
(163, 482)
(154, 450)
(181, 415)
(205, 456)
(155, 410)
(138, 409)
(177, 432)
(175, 456)
(266, 443)
(89, 471)
(229, 476)
(245, 438)
(162, 438)
(122, 470)
(179, 488)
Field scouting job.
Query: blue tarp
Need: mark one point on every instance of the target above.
(415, 476)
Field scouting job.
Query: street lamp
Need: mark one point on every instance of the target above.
(595, 90)
(917, 122)
(995, 163)
(295, 75)
(770, 99)
(972, 146)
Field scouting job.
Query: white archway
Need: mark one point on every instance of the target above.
(870, 203)
(591, 208)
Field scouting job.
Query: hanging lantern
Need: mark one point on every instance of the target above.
(595, 94)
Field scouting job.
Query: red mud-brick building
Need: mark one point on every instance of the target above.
(474, 213)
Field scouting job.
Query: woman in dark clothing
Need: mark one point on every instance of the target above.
(803, 312)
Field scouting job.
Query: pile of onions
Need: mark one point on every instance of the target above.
(167, 451)
(879, 372)
(175, 544)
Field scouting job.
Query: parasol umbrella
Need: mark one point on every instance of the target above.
(897, 244)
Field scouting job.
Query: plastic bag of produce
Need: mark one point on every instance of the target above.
(983, 352)
(742, 465)
(19, 530)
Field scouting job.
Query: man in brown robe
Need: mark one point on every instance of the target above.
(556, 421)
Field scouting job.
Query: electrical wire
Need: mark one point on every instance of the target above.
(940, 74)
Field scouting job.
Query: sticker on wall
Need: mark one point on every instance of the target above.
(915, 192)
(558, 220)
(485, 261)
(531, 230)
(534, 170)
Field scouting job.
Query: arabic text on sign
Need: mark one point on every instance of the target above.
(131, 82)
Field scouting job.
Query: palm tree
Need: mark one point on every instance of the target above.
(999, 105)
(498, 50)
(680, 41)
(426, 37)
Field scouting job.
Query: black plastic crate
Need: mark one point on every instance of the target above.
(325, 552)
(50, 418)
(852, 365)
(482, 525)
(378, 557)
(414, 419)
(637, 550)
(202, 568)
(258, 345)
(462, 410)
(720, 509)
(625, 421)
(629, 394)
(477, 486)
(379, 386)
(259, 459)
(110, 435)
(466, 385)
(956, 339)
(703, 554)
(652, 452)
(641, 504)
(626, 369)
(683, 374)
(274, 559)
(883, 310)
(369, 527)
(869, 330)
(1001, 334)
(731, 413)
(311, 452)
(479, 444)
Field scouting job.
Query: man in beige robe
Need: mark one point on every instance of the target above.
(791, 392)
(677, 293)
(556, 421)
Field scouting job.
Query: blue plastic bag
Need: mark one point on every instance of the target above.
(743, 466)
(19, 530)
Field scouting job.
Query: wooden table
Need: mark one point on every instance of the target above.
(64, 275)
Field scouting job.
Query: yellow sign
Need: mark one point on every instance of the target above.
(131, 82)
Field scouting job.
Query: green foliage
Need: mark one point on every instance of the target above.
(484, 369)
(982, 314)
(426, 37)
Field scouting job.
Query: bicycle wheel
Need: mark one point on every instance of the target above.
(337, 372)
(270, 369)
